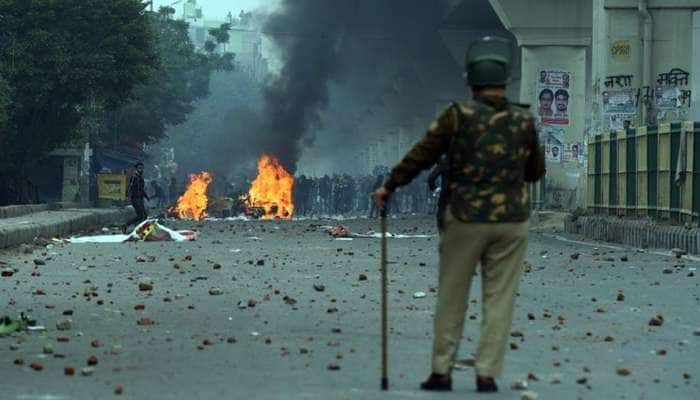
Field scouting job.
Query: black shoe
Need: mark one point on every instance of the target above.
(486, 385)
(438, 383)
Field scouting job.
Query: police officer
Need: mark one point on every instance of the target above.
(492, 150)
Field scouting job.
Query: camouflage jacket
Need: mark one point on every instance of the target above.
(488, 142)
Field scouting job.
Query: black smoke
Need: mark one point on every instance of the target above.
(378, 62)
(352, 72)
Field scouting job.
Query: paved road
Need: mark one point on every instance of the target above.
(272, 335)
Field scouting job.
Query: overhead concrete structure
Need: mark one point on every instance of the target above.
(463, 25)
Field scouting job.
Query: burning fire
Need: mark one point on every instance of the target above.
(271, 191)
(193, 203)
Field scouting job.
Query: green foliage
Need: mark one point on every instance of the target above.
(172, 89)
(209, 46)
(59, 58)
(221, 34)
(166, 11)
(4, 104)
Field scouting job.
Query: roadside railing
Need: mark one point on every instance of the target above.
(649, 171)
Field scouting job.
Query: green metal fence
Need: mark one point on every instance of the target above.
(636, 172)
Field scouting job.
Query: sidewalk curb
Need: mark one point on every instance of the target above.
(86, 219)
(19, 210)
(643, 234)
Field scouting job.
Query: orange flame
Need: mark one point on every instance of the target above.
(193, 203)
(271, 191)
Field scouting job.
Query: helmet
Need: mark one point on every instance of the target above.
(489, 61)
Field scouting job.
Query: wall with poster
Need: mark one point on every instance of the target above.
(556, 88)
(619, 92)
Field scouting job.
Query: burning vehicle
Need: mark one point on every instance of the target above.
(269, 196)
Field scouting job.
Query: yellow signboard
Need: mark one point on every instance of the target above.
(111, 186)
(621, 50)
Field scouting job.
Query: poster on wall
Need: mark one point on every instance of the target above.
(667, 97)
(619, 121)
(619, 101)
(553, 139)
(553, 97)
(574, 153)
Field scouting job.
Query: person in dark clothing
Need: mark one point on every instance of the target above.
(301, 195)
(158, 193)
(325, 193)
(378, 182)
(136, 192)
(172, 191)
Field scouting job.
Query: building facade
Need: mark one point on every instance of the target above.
(245, 41)
(595, 66)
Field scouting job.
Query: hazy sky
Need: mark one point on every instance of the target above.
(220, 8)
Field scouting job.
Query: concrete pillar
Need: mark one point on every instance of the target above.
(695, 69)
(71, 179)
(85, 176)
(599, 66)
(555, 39)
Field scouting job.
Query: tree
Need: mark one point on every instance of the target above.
(209, 46)
(221, 34)
(60, 57)
(4, 107)
(168, 96)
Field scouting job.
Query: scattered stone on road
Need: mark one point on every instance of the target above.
(656, 321)
(145, 286)
(519, 385)
(529, 395)
(145, 322)
(569, 309)
(64, 325)
(678, 252)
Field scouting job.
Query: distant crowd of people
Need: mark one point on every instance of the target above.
(329, 195)
(350, 196)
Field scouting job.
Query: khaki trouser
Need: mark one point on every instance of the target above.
(500, 247)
